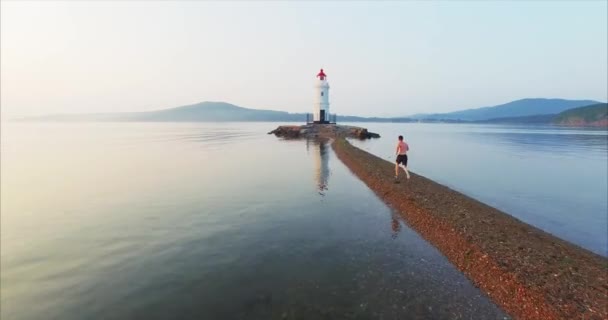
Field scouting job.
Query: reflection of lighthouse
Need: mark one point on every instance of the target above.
(321, 105)
(321, 156)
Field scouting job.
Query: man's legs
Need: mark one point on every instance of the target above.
(403, 164)
(407, 173)
(396, 170)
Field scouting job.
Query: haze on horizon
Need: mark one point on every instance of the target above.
(382, 59)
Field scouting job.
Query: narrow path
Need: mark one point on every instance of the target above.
(529, 273)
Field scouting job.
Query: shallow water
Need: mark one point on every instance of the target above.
(204, 221)
(553, 178)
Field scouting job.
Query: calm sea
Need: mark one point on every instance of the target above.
(221, 221)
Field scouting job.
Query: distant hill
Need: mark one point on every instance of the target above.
(594, 115)
(203, 112)
(533, 119)
(518, 108)
(217, 112)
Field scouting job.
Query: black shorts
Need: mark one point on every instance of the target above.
(402, 158)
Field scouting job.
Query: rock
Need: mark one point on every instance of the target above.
(362, 134)
(287, 131)
(327, 131)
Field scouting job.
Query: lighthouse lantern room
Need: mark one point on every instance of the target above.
(321, 104)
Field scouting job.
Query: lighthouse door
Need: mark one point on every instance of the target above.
(322, 116)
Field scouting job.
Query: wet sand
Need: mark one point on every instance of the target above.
(528, 272)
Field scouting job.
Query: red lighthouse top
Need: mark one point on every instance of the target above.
(321, 75)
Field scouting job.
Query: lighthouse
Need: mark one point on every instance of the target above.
(321, 103)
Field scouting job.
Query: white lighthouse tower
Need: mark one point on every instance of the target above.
(321, 105)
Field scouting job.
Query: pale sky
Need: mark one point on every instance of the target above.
(381, 58)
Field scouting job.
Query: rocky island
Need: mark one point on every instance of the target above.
(322, 131)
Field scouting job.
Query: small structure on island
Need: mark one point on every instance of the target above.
(320, 112)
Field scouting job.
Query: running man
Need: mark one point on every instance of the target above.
(402, 149)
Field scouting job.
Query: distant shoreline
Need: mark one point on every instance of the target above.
(566, 126)
(525, 111)
(531, 274)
